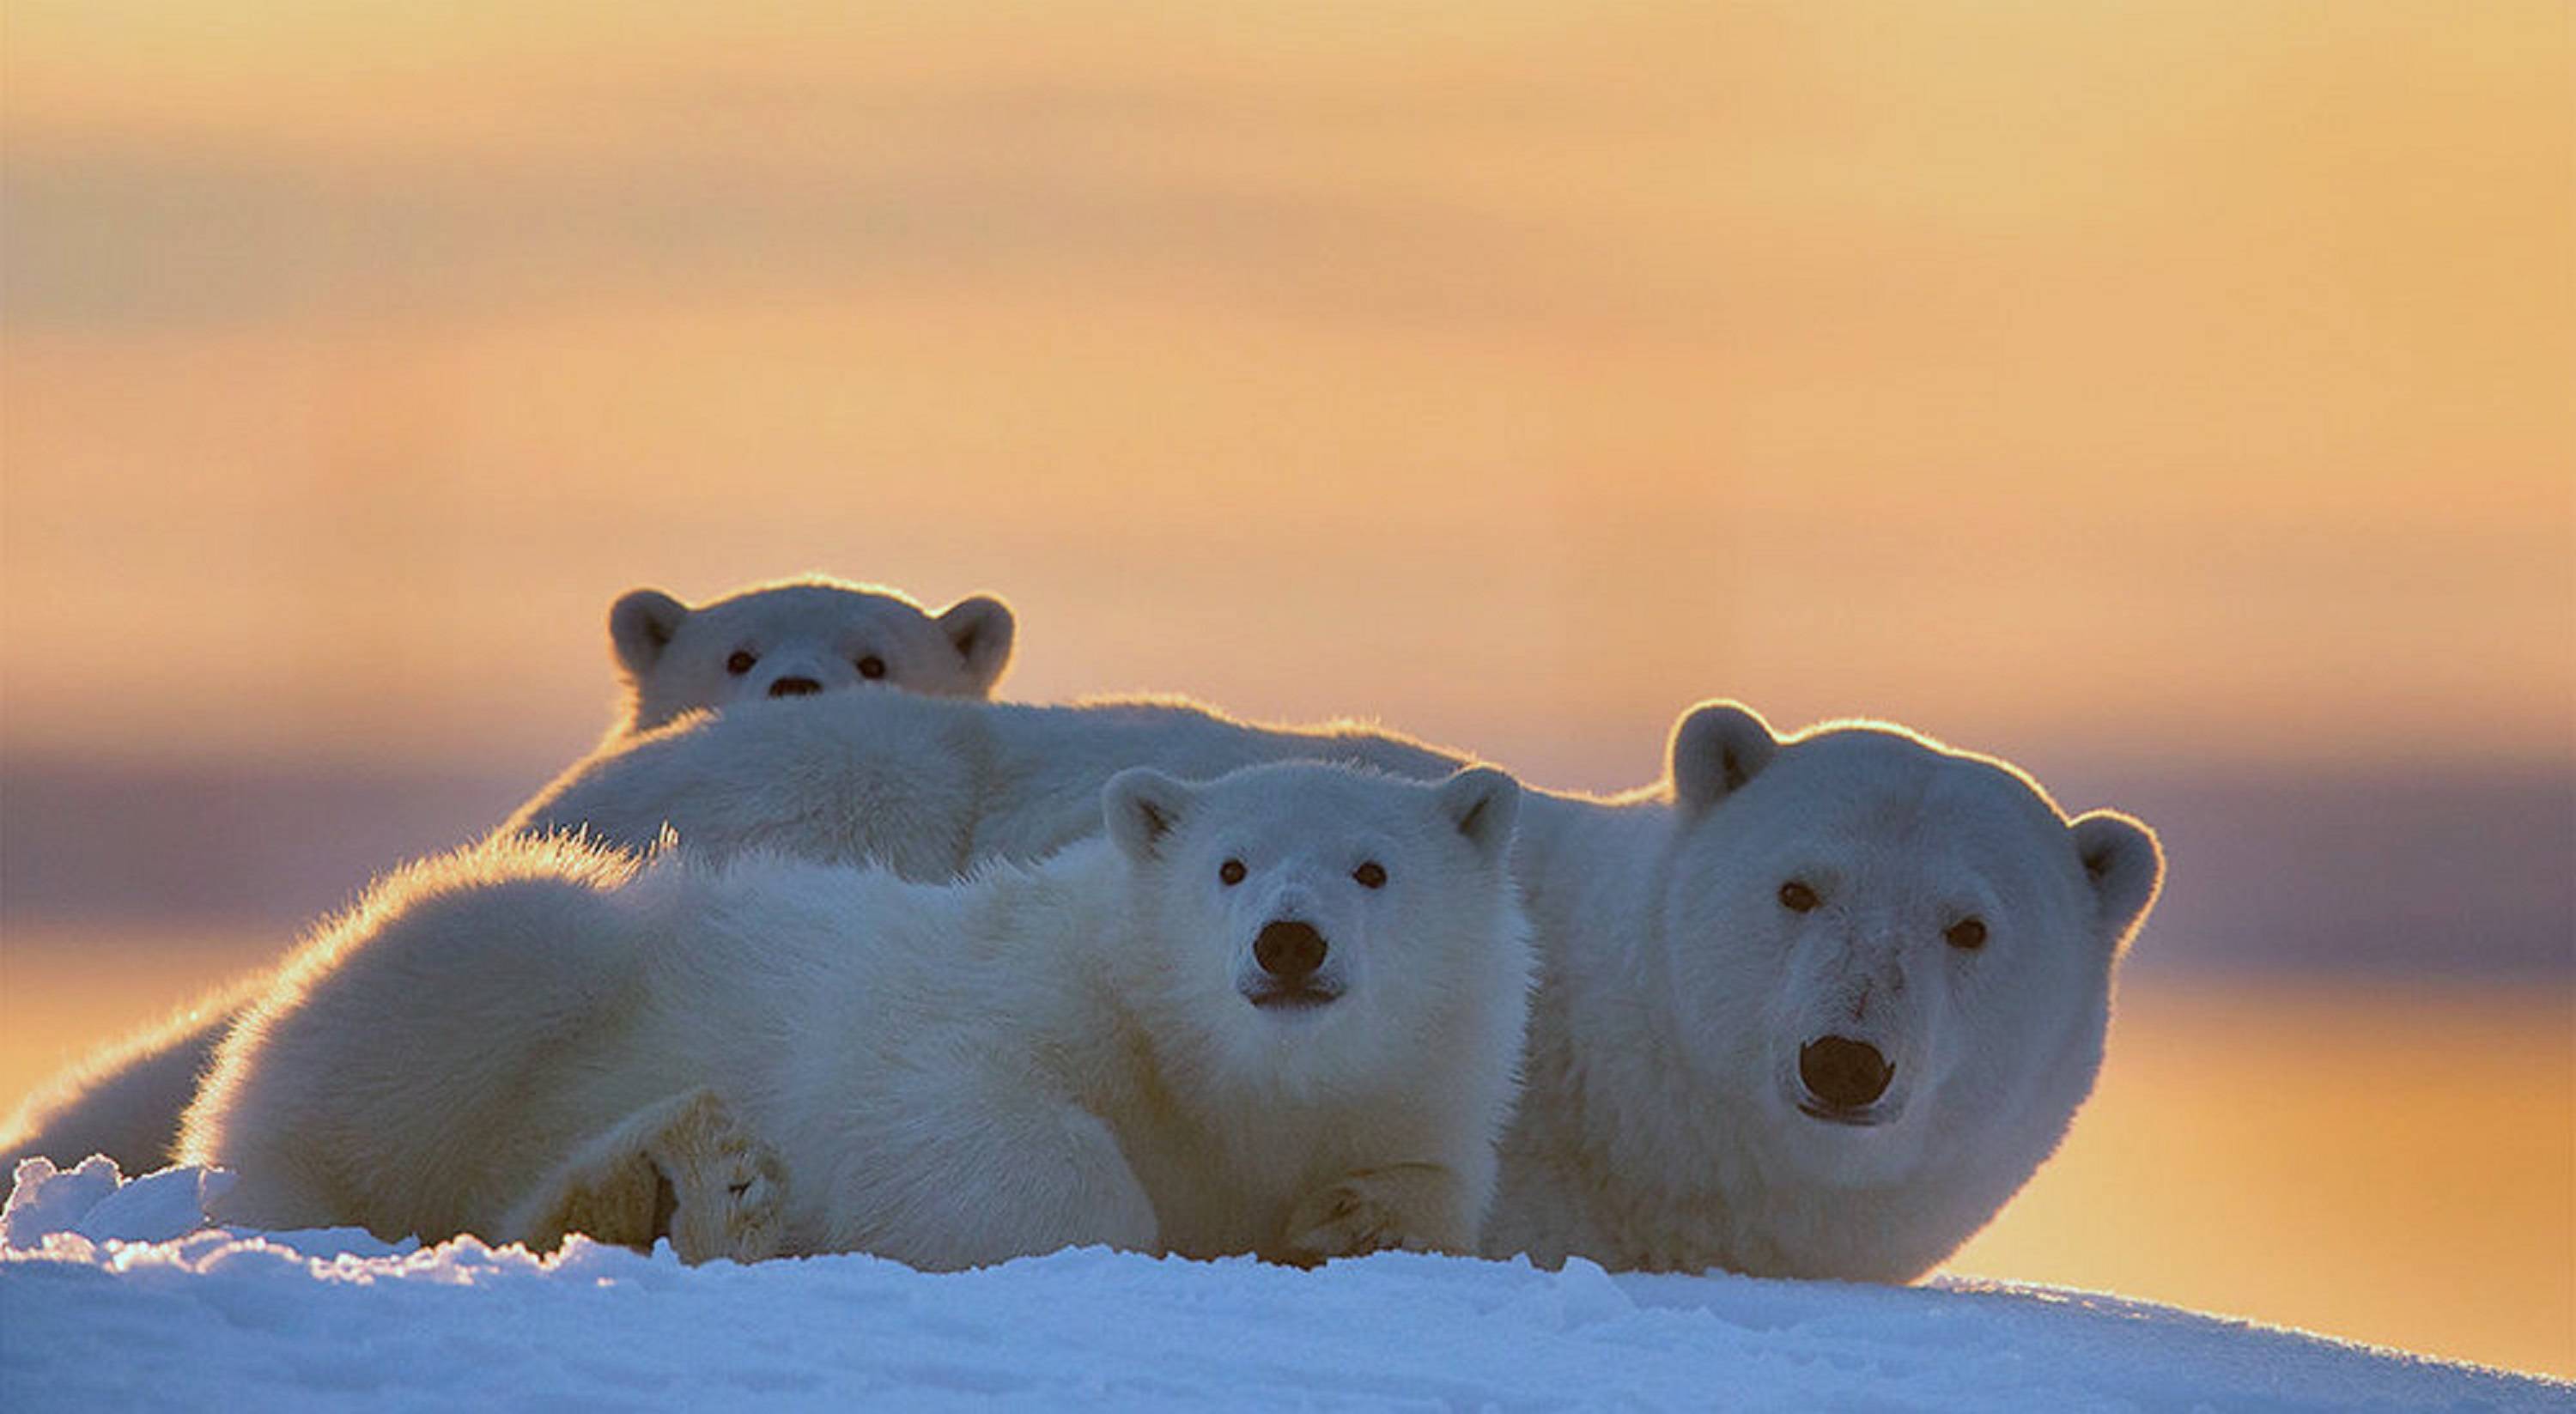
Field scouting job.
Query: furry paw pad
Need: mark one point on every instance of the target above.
(1347, 1220)
(724, 1187)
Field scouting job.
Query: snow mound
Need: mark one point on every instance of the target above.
(116, 1290)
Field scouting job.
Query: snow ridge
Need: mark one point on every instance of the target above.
(116, 1290)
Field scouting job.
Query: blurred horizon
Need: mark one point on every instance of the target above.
(2172, 400)
(2386, 876)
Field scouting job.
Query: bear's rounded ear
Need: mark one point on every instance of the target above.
(1141, 806)
(980, 629)
(640, 625)
(1717, 747)
(1481, 803)
(2126, 867)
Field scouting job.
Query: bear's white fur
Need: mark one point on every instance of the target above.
(795, 638)
(1275, 1013)
(1660, 1128)
(813, 633)
(929, 788)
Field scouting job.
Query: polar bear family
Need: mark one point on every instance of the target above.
(1810, 1006)
(1813, 1007)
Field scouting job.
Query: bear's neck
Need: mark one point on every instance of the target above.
(1593, 1115)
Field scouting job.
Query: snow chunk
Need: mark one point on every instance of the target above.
(44, 1199)
(93, 1200)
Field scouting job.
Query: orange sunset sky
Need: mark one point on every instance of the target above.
(2169, 393)
(2145, 380)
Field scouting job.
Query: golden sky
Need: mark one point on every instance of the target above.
(2075, 382)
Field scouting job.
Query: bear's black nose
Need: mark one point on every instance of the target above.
(794, 687)
(1288, 949)
(1844, 1073)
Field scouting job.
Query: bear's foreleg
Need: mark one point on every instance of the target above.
(980, 1169)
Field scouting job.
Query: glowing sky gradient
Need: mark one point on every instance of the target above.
(2145, 381)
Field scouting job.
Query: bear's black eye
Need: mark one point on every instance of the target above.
(1796, 897)
(1230, 873)
(741, 661)
(872, 667)
(1967, 935)
(1371, 875)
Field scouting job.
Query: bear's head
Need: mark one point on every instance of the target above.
(1900, 955)
(1311, 924)
(798, 638)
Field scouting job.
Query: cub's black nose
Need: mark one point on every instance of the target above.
(794, 687)
(1844, 1073)
(1288, 949)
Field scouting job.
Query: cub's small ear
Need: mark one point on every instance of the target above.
(1482, 803)
(1717, 747)
(1141, 806)
(2126, 867)
(980, 629)
(640, 625)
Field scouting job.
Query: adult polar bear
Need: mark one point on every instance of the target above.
(787, 638)
(1279, 1013)
(1814, 1006)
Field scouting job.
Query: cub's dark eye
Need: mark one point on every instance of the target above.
(872, 667)
(741, 661)
(1967, 935)
(1796, 897)
(1230, 873)
(1371, 875)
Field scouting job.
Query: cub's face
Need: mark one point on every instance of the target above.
(797, 640)
(1900, 954)
(1311, 919)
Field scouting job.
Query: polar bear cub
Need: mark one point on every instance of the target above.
(1279, 1013)
(794, 638)
(790, 638)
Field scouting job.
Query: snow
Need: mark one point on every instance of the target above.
(116, 1292)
